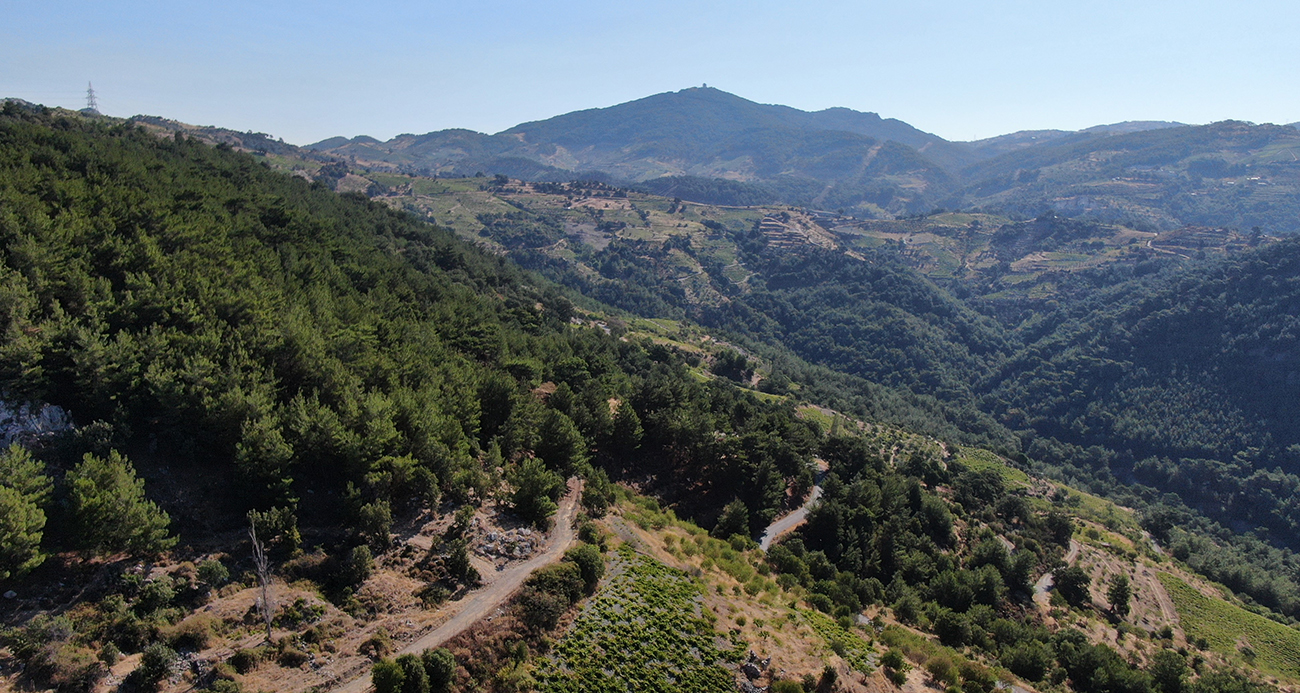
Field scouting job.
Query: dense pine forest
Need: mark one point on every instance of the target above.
(192, 309)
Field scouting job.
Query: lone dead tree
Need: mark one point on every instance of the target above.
(263, 576)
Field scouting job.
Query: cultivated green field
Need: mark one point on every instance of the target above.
(979, 459)
(1230, 629)
(646, 630)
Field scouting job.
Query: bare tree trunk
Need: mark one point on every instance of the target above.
(263, 576)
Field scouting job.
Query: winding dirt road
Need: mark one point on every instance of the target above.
(794, 518)
(479, 604)
(1045, 582)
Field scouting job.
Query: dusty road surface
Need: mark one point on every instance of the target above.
(481, 603)
(795, 518)
(1045, 582)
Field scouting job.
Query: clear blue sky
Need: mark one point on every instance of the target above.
(962, 69)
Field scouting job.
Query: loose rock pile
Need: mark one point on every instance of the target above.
(512, 544)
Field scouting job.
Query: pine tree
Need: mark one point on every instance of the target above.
(734, 520)
(1118, 595)
(387, 676)
(109, 508)
(536, 490)
(440, 666)
(24, 491)
(1073, 584)
(1168, 670)
(22, 525)
(628, 432)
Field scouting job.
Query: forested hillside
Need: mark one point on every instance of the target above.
(1189, 375)
(192, 309)
(1223, 174)
(706, 145)
(1131, 367)
(774, 153)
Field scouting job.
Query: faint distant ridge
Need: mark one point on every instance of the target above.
(1129, 126)
(995, 146)
(335, 142)
(991, 147)
(254, 142)
(707, 117)
(1230, 174)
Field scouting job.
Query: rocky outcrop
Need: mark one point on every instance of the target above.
(26, 423)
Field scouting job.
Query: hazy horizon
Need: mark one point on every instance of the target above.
(306, 72)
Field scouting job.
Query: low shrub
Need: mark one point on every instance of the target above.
(246, 660)
(377, 646)
(68, 667)
(194, 633)
(299, 612)
(155, 665)
(291, 657)
(212, 573)
(433, 594)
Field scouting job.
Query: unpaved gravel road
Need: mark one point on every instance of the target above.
(796, 517)
(1045, 582)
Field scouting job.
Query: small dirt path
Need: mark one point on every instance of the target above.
(795, 518)
(479, 604)
(1045, 582)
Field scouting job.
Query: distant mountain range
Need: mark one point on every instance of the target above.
(694, 131)
(710, 146)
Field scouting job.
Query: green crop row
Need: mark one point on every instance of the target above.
(1231, 629)
(647, 630)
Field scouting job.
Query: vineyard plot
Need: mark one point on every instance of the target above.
(646, 630)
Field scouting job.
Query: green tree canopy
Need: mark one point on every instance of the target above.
(1118, 595)
(388, 676)
(1073, 583)
(536, 491)
(733, 520)
(109, 508)
(22, 526)
(440, 665)
(24, 491)
(1168, 671)
(590, 564)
